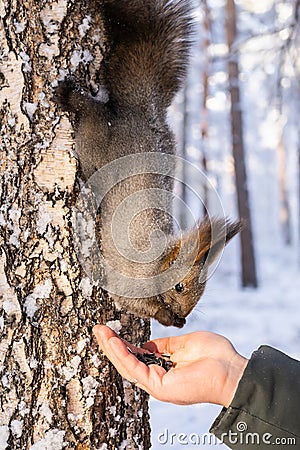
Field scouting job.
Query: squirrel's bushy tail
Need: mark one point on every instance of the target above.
(148, 56)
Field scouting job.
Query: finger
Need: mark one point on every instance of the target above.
(148, 378)
(102, 333)
(116, 350)
(166, 345)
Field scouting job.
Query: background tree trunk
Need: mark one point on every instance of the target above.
(285, 215)
(204, 125)
(184, 155)
(247, 248)
(56, 390)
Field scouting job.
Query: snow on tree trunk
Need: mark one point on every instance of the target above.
(247, 247)
(56, 390)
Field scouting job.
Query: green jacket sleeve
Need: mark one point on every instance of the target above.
(265, 410)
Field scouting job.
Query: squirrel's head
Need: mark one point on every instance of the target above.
(200, 246)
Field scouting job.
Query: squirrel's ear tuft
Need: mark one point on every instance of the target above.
(213, 235)
(204, 242)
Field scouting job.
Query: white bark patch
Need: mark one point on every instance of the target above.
(89, 385)
(112, 432)
(64, 285)
(86, 287)
(53, 440)
(30, 109)
(44, 218)
(74, 407)
(52, 16)
(8, 298)
(10, 403)
(43, 417)
(17, 427)
(124, 445)
(96, 361)
(21, 360)
(5, 382)
(50, 218)
(2, 10)
(23, 408)
(14, 83)
(57, 168)
(33, 363)
(4, 435)
(81, 345)
(128, 393)
(80, 56)
(81, 395)
(14, 220)
(26, 62)
(11, 308)
(19, 26)
(83, 230)
(66, 306)
(115, 325)
(46, 411)
(41, 291)
(49, 51)
(85, 26)
(103, 447)
(42, 100)
(11, 122)
(71, 369)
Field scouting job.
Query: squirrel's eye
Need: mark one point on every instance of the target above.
(179, 287)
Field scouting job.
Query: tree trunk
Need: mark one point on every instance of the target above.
(56, 390)
(204, 110)
(285, 216)
(185, 133)
(299, 195)
(247, 248)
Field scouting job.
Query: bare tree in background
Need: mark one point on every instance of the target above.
(56, 390)
(249, 277)
(184, 144)
(285, 216)
(289, 51)
(284, 207)
(296, 25)
(205, 82)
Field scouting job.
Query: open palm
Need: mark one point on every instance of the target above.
(207, 368)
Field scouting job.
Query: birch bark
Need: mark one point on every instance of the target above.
(56, 390)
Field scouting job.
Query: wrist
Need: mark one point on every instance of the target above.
(236, 370)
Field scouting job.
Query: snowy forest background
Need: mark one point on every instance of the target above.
(265, 53)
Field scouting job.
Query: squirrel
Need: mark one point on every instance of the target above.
(143, 69)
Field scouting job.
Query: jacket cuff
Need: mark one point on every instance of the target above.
(263, 411)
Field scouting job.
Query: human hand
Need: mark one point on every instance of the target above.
(207, 368)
